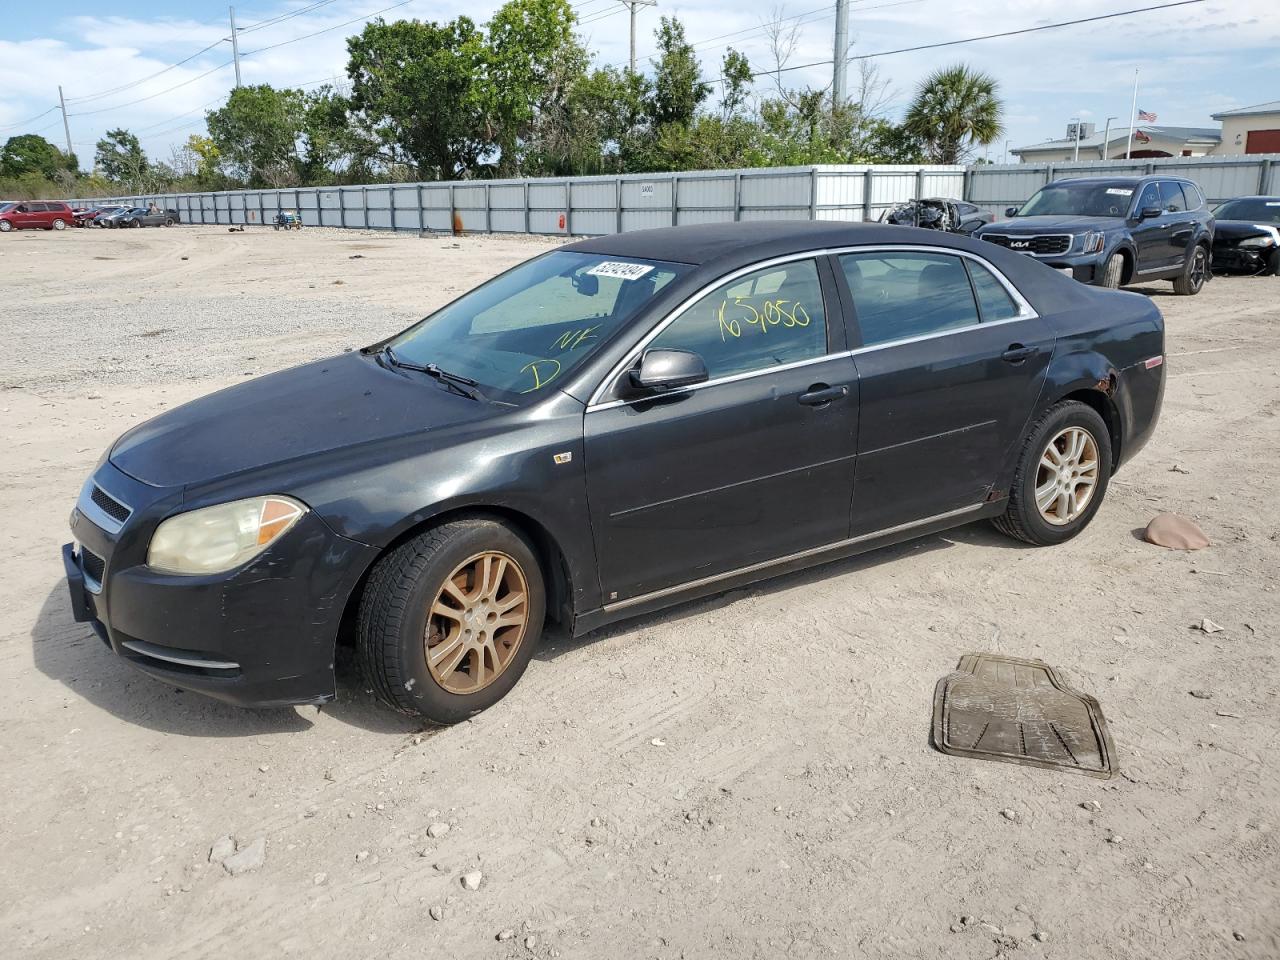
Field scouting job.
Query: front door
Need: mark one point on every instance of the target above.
(1150, 236)
(754, 464)
(951, 363)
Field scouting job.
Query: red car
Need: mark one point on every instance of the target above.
(35, 214)
(87, 215)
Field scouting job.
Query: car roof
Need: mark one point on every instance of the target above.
(750, 241)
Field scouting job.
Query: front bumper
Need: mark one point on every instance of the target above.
(1241, 259)
(261, 635)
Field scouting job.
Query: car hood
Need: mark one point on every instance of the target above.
(1023, 225)
(1242, 229)
(303, 412)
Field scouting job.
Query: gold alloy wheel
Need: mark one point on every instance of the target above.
(1066, 476)
(477, 622)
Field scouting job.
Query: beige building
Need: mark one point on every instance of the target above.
(1149, 140)
(1253, 129)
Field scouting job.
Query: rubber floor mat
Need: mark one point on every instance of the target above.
(1020, 711)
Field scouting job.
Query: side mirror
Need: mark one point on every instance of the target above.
(1149, 213)
(662, 370)
(1010, 211)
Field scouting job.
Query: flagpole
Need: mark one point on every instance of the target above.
(1133, 116)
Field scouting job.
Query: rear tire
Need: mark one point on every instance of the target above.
(1194, 273)
(400, 623)
(1273, 264)
(1047, 485)
(1113, 271)
(168, 221)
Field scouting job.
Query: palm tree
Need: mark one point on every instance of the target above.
(954, 109)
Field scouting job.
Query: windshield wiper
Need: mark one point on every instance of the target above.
(458, 383)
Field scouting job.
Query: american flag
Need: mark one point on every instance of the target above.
(1146, 117)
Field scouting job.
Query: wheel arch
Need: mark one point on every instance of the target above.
(1100, 395)
(1130, 262)
(556, 574)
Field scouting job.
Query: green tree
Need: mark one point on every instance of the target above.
(119, 157)
(257, 133)
(955, 109)
(419, 88)
(606, 115)
(335, 149)
(30, 153)
(678, 87)
(533, 60)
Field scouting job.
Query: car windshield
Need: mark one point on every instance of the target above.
(1091, 199)
(6, 207)
(1254, 209)
(524, 331)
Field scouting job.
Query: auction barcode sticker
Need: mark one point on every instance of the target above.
(1120, 191)
(619, 270)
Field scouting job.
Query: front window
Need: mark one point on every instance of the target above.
(764, 319)
(1253, 209)
(522, 333)
(1086, 199)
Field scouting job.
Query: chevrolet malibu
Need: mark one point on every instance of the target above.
(603, 431)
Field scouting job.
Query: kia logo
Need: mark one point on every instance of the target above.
(1020, 244)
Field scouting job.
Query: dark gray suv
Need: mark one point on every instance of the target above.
(1112, 231)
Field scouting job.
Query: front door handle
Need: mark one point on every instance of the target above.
(819, 395)
(1017, 353)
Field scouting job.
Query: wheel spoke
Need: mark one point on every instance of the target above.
(511, 600)
(444, 610)
(477, 668)
(447, 661)
(1063, 506)
(455, 591)
(493, 577)
(1046, 494)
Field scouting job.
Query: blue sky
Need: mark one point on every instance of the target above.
(1193, 61)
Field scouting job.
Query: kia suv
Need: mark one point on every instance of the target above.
(1112, 231)
(35, 214)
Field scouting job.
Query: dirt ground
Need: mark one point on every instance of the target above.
(747, 776)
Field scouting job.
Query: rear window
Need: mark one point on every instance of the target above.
(898, 296)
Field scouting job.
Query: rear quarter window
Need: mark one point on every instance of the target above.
(993, 299)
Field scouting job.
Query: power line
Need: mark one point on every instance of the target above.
(128, 86)
(263, 24)
(120, 106)
(336, 26)
(23, 123)
(989, 36)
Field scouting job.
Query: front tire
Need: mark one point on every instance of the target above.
(59, 224)
(1113, 271)
(1061, 476)
(1273, 263)
(449, 619)
(1194, 273)
(5, 226)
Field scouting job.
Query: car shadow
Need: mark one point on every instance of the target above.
(557, 642)
(72, 654)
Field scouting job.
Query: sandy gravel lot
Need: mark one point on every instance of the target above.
(747, 776)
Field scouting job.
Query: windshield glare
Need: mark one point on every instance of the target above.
(1253, 209)
(1080, 200)
(524, 331)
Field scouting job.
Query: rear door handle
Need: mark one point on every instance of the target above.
(819, 395)
(1017, 353)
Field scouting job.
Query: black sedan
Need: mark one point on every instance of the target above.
(1247, 236)
(147, 217)
(608, 429)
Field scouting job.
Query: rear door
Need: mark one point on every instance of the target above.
(754, 464)
(951, 362)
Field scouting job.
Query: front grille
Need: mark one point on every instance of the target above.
(1046, 245)
(92, 565)
(109, 505)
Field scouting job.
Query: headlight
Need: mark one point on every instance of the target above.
(215, 539)
(1258, 242)
(1092, 242)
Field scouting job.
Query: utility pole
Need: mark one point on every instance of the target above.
(66, 127)
(235, 45)
(631, 5)
(1133, 117)
(841, 53)
(1076, 121)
